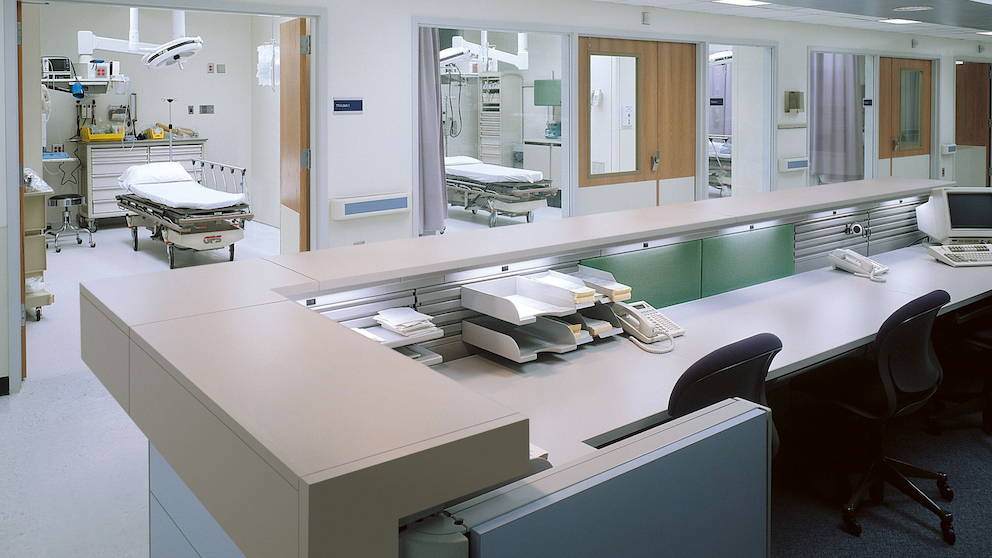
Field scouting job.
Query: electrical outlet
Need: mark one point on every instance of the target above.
(189, 110)
(357, 242)
(210, 67)
(221, 68)
(206, 109)
(58, 148)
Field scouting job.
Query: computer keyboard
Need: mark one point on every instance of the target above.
(962, 255)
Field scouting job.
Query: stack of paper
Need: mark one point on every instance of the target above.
(405, 321)
(617, 292)
(598, 327)
(581, 293)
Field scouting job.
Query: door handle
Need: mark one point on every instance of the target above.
(895, 145)
(655, 159)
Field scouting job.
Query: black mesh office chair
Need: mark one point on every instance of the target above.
(976, 340)
(735, 370)
(900, 379)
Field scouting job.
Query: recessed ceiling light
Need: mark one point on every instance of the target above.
(912, 9)
(897, 21)
(742, 2)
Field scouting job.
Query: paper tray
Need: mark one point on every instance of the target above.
(420, 354)
(520, 343)
(393, 340)
(517, 300)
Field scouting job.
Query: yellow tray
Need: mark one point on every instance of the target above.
(85, 134)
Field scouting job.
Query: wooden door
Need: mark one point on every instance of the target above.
(972, 112)
(20, 189)
(904, 106)
(294, 133)
(665, 110)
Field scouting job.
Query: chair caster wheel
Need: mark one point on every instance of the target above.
(92, 244)
(79, 241)
(945, 491)
(851, 524)
(948, 531)
(58, 249)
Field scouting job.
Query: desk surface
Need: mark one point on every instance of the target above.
(608, 384)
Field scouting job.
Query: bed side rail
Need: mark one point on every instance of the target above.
(223, 177)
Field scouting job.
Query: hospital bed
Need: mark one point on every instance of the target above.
(499, 190)
(183, 213)
(719, 151)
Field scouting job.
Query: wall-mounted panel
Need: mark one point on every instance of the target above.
(735, 261)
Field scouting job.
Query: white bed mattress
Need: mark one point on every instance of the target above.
(489, 174)
(186, 195)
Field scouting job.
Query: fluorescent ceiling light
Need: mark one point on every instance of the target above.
(959, 62)
(985, 33)
(742, 2)
(897, 21)
(912, 9)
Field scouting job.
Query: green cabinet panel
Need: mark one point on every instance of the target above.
(739, 260)
(661, 276)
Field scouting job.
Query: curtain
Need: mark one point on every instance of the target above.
(433, 192)
(837, 114)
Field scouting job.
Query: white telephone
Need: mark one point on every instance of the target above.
(647, 325)
(849, 260)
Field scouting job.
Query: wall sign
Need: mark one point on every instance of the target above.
(347, 106)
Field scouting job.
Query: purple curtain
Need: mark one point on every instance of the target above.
(837, 150)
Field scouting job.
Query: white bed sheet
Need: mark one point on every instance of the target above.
(489, 174)
(186, 195)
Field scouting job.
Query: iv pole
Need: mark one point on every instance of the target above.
(170, 126)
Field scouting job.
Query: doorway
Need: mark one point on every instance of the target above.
(904, 117)
(839, 117)
(972, 118)
(637, 124)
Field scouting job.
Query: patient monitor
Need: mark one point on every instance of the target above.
(957, 215)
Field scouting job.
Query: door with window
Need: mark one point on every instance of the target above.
(637, 124)
(972, 118)
(904, 104)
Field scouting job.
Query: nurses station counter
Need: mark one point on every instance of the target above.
(274, 430)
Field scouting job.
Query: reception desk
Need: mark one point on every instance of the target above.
(302, 438)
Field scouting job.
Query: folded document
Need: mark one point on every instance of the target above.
(405, 321)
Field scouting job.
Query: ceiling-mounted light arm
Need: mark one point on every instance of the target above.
(88, 43)
(173, 52)
(490, 55)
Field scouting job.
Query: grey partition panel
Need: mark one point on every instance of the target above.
(179, 520)
(706, 495)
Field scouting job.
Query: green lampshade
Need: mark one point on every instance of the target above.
(547, 92)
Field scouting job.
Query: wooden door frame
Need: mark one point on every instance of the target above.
(320, 31)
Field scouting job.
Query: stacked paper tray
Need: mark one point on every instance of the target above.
(392, 339)
(517, 300)
(420, 354)
(582, 295)
(518, 343)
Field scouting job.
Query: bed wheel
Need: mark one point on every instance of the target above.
(171, 250)
(530, 216)
(492, 219)
(232, 252)
(92, 244)
(475, 212)
(134, 238)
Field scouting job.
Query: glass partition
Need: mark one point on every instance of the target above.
(910, 107)
(613, 114)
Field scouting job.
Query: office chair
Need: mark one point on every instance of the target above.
(900, 379)
(978, 339)
(735, 370)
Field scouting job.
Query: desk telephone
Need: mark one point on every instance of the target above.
(851, 261)
(647, 325)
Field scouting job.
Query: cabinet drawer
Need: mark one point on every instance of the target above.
(106, 209)
(34, 212)
(161, 154)
(106, 194)
(113, 169)
(34, 253)
(128, 154)
(104, 182)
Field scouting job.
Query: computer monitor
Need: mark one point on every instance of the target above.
(957, 215)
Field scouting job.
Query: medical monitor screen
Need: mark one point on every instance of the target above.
(970, 211)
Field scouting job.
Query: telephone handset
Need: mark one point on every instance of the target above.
(851, 261)
(647, 325)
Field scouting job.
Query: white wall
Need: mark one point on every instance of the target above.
(750, 162)
(264, 133)
(970, 166)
